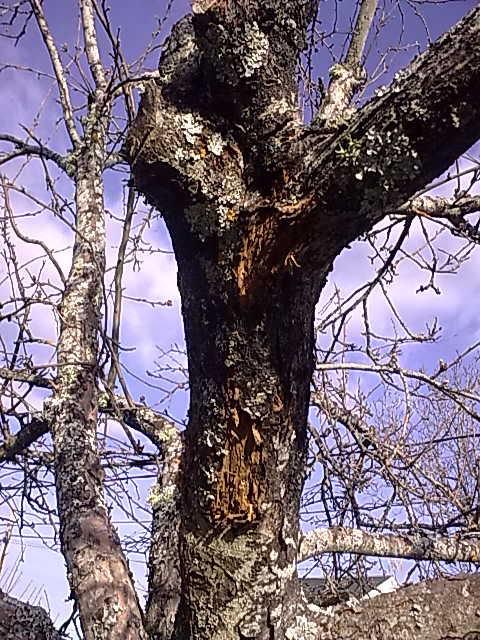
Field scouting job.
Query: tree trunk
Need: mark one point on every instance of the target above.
(95, 561)
(258, 206)
(248, 311)
(250, 363)
(443, 609)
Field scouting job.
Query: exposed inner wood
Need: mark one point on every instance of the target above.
(239, 490)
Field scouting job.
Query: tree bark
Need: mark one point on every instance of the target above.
(432, 610)
(258, 206)
(414, 547)
(164, 584)
(23, 621)
(98, 571)
(249, 368)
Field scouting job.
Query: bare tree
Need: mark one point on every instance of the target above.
(259, 199)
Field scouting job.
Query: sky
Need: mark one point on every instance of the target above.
(27, 99)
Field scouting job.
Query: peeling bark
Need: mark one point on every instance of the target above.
(258, 206)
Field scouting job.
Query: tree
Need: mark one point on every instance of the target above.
(258, 204)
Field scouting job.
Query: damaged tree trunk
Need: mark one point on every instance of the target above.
(258, 206)
(249, 333)
(248, 311)
(249, 364)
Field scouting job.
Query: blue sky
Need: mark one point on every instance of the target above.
(150, 329)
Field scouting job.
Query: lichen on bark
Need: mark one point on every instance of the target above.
(259, 205)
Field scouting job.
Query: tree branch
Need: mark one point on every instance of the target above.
(459, 396)
(25, 149)
(413, 547)
(28, 434)
(26, 375)
(394, 147)
(27, 239)
(453, 210)
(58, 70)
(347, 77)
(91, 44)
(119, 267)
(440, 207)
(140, 418)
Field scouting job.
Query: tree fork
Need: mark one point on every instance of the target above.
(248, 309)
(258, 206)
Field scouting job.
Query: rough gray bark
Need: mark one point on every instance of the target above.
(445, 609)
(23, 621)
(164, 570)
(258, 206)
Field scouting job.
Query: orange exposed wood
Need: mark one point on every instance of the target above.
(239, 491)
